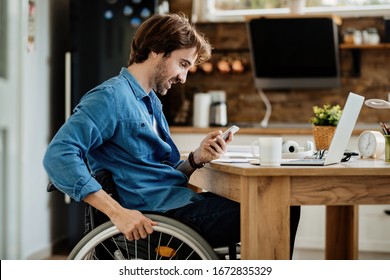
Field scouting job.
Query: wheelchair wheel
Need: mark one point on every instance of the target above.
(171, 239)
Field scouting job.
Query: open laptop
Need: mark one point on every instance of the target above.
(341, 136)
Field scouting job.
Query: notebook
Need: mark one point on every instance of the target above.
(341, 136)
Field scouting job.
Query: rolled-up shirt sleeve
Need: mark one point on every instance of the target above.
(64, 161)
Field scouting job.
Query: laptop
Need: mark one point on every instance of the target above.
(341, 136)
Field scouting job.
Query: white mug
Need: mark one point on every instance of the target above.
(270, 150)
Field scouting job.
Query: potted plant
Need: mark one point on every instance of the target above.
(324, 121)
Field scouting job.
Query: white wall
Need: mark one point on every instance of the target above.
(24, 114)
(9, 119)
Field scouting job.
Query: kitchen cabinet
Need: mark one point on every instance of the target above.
(374, 223)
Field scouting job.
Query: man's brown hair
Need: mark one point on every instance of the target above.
(166, 33)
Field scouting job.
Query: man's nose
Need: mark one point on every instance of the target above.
(182, 77)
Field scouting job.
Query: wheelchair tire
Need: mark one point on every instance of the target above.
(171, 239)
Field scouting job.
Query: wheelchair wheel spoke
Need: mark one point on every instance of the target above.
(159, 244)
(135, 249)
(108, 250)
(149, 257)
(177, 250)
(190, 254)
(127, 248)
(170, 240)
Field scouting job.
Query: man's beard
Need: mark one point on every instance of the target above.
(159, 78)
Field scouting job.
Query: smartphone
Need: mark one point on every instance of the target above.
(233, 129)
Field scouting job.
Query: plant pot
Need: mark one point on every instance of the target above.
(323, 136)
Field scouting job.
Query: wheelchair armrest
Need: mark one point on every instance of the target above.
(50, 187)
(104, 177)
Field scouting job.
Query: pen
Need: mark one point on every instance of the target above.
(385, 129)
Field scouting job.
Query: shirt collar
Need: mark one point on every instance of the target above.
(137, 89)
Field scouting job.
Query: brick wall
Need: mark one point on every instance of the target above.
(292, 106)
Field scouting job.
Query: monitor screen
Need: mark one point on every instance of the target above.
(294, 53)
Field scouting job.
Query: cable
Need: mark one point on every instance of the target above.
(268, 107)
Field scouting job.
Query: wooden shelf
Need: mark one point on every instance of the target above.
(356, 49)
(365, 46)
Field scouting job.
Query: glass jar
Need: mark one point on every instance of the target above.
(348, 36)
(357, 37)
(372, 36)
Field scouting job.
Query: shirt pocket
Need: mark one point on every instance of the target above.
(140, 138)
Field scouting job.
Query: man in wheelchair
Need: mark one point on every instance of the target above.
(119, 126)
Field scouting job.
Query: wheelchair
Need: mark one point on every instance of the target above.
(170, 240)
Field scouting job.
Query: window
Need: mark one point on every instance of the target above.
(229, 10)
(3, 38)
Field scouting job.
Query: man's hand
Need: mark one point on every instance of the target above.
(212, 147)
(132, 223)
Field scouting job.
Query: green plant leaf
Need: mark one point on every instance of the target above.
(326, 115)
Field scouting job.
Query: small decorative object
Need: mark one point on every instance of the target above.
(296, 7)
(324, 122)
(348, 36)
(224, 66)
(371, 144)
(238, 66)
(207, 67)
(371, 36)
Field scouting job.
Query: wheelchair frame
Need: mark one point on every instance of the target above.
(171, 238)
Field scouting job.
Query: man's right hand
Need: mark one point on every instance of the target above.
(212, 147)
(132, 223)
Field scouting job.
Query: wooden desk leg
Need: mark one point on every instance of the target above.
(265, 216)
(342, 232)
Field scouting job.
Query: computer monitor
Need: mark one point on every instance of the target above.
(294, 53)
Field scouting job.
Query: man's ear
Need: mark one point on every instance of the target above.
(154, 55)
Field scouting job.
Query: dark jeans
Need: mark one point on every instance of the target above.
(217, 219)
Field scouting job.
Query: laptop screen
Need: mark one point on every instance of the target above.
(344, 128)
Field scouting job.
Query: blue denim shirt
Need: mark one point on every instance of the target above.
(112, 127)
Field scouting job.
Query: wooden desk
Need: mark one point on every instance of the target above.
(265, 194)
